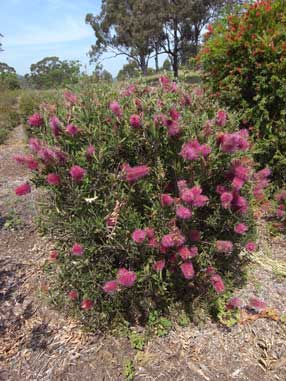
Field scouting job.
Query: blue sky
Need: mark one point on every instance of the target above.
(34, 29)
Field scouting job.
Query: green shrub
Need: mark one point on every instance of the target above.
(244, 59)
(150, 200)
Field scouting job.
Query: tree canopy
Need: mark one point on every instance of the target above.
(142, 29)
(52, 72)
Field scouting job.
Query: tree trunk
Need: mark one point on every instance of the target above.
(156, 58)
(143, 65)
(175, 51)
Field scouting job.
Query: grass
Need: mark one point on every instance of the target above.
(9, 117)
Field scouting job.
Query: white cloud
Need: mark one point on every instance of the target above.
(68, 29)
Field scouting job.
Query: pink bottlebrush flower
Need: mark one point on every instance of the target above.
(116, 109)
(73, 295)
(55, 126)
(133, 174)
(173, 128)
(126, 278)
(167, 241)
(53, 179)
(90, 151)
(159, 265)
(54, 255)
(87, 304)
(233, 142)
(221, 118)
(183, 213)
(77, 173)
(175, 115)
(217, 283)
(27, 160)
(32, 164)
(237, 183)
(195, 235)
(208, 128)
(70, 98)
(210, 270)
(153, 242)
(241, 171)
(193, 150)
(135, 121)
(200, 201)
(162, 249)
(281, 196)
(36, 120)
(35, 144)
(47, 155)
(77, 250)
(257, 304)
(187, 253)
(187, 270)
(72, 130)
(234, 303)
(128, 91)
(224, 246)
(178, 238)
(226, 199)
(139, 236)
(251, 246)
(262, 174)
(23, 189)
(280, 212)
(220, 189)
(185, 100)
(205, 150)
(61, 157)
(182, 186)
(240, 228)
(261, 184)
(110, 286)
(166, 200)
(159, 120)
(150, 232)
(190, 150)
(188, 196)
(240, 204)
(164, 81)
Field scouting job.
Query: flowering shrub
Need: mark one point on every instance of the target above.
(147, 211)
(244, 59)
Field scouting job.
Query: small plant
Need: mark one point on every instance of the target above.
(137, 341)
(183, 319)
(128, 370)
(160, 325)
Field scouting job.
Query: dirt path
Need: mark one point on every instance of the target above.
(37, 343)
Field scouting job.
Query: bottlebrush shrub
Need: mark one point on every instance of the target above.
(150, 199)
(244, 59)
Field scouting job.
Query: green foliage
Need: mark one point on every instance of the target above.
(9, 117)
(167, 65)
(51, 72)
(159, 325)
(102, 212)
(244, 58)
(8, 78)
(137, 341)
(129, 71)
(128, 370)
